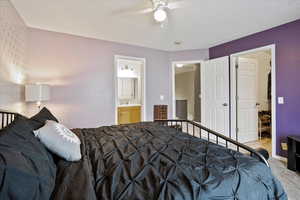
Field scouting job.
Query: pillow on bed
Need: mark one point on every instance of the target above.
(60, 140)
(39, 120)
(27, 169)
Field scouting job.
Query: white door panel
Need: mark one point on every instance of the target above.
(247, 98)
(249, 83)
(215, 94)
(221, 118)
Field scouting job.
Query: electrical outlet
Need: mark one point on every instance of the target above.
(162, 97)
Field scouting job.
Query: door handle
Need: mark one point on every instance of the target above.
(225, 104)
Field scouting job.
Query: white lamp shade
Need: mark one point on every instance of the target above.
(37, 92)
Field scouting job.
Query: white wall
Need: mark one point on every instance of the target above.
(13, 43)
(81, 73)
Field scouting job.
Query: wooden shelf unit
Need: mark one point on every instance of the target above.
(293, 143)
(160, 112)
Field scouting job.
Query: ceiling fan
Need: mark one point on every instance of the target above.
(159, 8)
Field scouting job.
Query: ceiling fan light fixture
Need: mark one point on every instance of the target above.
(160, 15)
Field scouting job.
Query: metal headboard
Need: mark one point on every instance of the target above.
(6, 118)
(202, 132)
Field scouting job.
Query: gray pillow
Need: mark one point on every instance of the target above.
(59, 140)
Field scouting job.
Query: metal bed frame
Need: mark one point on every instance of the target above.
(6, 118)
(211, 136)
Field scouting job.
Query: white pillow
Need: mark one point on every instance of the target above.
(59, 140)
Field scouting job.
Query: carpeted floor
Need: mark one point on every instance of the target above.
(264, 142)
(289, 179)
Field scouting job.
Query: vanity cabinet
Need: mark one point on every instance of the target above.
(129, 114)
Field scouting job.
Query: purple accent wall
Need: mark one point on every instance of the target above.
(287, 40)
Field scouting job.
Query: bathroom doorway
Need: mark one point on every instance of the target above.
(129, 89)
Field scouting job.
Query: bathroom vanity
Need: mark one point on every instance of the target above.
(129, 114)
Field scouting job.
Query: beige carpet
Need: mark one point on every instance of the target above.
(265, 143)
(290, 180)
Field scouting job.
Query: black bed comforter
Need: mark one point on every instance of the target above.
(147, 161)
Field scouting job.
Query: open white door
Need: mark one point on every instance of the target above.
(247, 113)
(215, 94)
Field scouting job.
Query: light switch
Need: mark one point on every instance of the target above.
(162, 97)
(280, 100)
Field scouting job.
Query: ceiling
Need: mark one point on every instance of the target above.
(199, 24)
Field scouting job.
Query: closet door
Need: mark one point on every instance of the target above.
(215, 95)
(247, 111)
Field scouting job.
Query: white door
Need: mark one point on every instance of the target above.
(247, 100)
(215, 94)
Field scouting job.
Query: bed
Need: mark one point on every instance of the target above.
(149, 160)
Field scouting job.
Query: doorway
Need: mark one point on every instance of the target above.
(187, 90)
(253, 97)
(129, 89)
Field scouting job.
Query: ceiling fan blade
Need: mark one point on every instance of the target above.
(144, 11)
(143, 7)
(125, 12)
(176, 5)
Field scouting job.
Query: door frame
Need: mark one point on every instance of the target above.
(143, 106)
(173, 67)
(233, 83)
